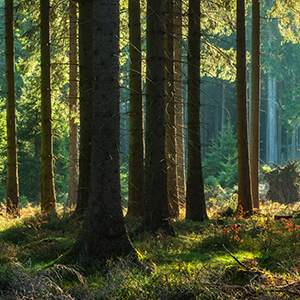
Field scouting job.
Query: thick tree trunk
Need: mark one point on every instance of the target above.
(170, 109)
(178, 96)
(73, 133)
(136, 144)
(255, 103)
(12, 184)
(244, 201)
(86, 88)
(48, 199)
(103, 233)
(156, 213)
(195, 201)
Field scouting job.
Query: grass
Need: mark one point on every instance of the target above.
(221, 258)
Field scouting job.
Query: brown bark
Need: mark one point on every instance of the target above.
(195, 200)
(255, 103)
(136, 143)
(73, 128)
(48, 198)
(12, 184)
(86, 87)
(244, 201)
(170, 110)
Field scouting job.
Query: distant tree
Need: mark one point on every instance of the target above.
(255, 103)
(156, 213)
(136, 144)
(170, 109)
(244, 201)
(48, 198)
(73, 128)
(195, 200)
(12, 184)
(103, 233)
(86, 91)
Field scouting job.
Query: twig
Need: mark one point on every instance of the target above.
(240, 263)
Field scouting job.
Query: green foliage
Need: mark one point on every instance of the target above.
(221, 161)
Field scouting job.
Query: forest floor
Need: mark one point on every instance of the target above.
(225, 257)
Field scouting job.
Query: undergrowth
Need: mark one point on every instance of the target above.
(224, 257)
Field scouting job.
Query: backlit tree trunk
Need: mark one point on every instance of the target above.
(48, 199)
(244, 201)
(103, 233)
(136, 145)
(255, 103)
(73, 128)
(85, 88)
(12, 184)
(156, 213)
(170, 109)
(195, 201)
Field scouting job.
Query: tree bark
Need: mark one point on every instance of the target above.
(170, 109)
(255, 103)
(195, 200)
(245, 200)
(73, 128)
(86, 88)
(103, 233)
(178, 96)
(12, 184)
(156, 213)
(136, 143)
(48, 199)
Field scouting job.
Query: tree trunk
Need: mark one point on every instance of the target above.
(178, 96)
(48, 199)
(73, 134)
(244, 201)
(86, 88)
(103, 233)
(156, 213)
(12, 184)
(255, 103)
(170, 109)
(195, 201)
(136, 143)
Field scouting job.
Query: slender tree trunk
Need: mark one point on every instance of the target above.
(103, 233)
(136, 144)
(48, 199)
(73, 135)
(223, 114)
(245, 201)
(156, 213)
(170, 109)
(12, 184)
(195, 200)
(178, 96)
(255, 103)
(86, 89)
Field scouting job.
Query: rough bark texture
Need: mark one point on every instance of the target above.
(48, 199)
(136, 144)
(179, 134)
(73, 128)
(255, 103)
(156, 213)
(170, 109)
(103, 233)
(195, 200)
(12, 184)
(86, 88)
(244, 201)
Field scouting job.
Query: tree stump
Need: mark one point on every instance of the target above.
(283, 183)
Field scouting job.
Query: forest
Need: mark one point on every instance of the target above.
(149, 149)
